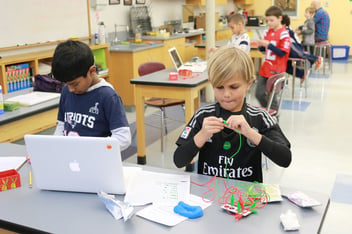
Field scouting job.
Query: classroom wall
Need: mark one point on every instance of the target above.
(159, 10)
(340, 12)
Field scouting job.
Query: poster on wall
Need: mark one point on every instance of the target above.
(114, 2)
(289, 7)
(127, 2)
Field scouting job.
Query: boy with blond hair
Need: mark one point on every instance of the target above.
(231, 135)
(308, 30)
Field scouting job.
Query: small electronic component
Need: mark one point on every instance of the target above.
(234, 209)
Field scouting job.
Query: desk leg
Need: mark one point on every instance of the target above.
(139, 100)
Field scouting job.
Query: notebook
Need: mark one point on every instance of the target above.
(76, 164)
(193, 66)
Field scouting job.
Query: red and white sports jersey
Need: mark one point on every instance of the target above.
(273, 63)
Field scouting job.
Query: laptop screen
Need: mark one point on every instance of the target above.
(175, 57)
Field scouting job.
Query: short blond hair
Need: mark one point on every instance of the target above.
(228, 62)
(311, 10)
(236, 18)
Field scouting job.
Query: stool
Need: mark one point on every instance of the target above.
(305, 65)
(323, 49)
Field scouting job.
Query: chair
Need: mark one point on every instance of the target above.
(275, 87)
(162, 103)
(323, 49)
(299, 63)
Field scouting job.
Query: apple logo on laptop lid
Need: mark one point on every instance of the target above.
(74, 166)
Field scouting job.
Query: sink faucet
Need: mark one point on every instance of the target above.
(116, 40)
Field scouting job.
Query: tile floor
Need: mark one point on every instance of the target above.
(317, 126)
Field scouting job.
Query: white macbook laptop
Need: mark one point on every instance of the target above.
(77, 164)
(193, 66)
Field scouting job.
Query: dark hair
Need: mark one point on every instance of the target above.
(286, 20)
(236, 18)
(71, 59)
(273, 11)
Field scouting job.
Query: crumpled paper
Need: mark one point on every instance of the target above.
(117, 208)
(289, 221)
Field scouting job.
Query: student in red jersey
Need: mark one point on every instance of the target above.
(276, 44)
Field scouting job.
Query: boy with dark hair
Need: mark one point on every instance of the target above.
(276, 44)
(89, 106)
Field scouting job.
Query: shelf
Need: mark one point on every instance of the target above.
(101, 53)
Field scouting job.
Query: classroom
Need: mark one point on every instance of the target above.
(154, 110)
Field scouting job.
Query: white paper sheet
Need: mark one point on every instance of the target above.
(33, 98)
(152, 187)
(165, 215)
(8, 163)
(129, 173)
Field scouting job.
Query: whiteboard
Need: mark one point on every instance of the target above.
(26, 22)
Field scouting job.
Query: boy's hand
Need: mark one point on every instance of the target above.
(263, 43)
(211, 125)
(239, 122)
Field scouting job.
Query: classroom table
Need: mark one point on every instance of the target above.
(158, 85)
(28, 210)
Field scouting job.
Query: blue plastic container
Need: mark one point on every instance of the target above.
(340, 52)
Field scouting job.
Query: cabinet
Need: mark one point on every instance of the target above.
(223, 34)
(203, 2)
(124, 67)
(101, 53)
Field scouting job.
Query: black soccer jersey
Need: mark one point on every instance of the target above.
(217, 157)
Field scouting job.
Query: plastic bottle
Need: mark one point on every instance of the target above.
(138, 35)
(101, 32)
(1, 101)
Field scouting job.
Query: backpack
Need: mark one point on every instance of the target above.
(46, 83)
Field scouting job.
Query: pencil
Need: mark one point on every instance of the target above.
(30, 179)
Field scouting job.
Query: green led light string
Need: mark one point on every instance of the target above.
(252, 199)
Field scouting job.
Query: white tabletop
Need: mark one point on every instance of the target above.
(27, 208)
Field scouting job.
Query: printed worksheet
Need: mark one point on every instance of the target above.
(159, 188)
(165, 214)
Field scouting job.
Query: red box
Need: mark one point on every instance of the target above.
(9, 179)
(185, 72)
(173, 76)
